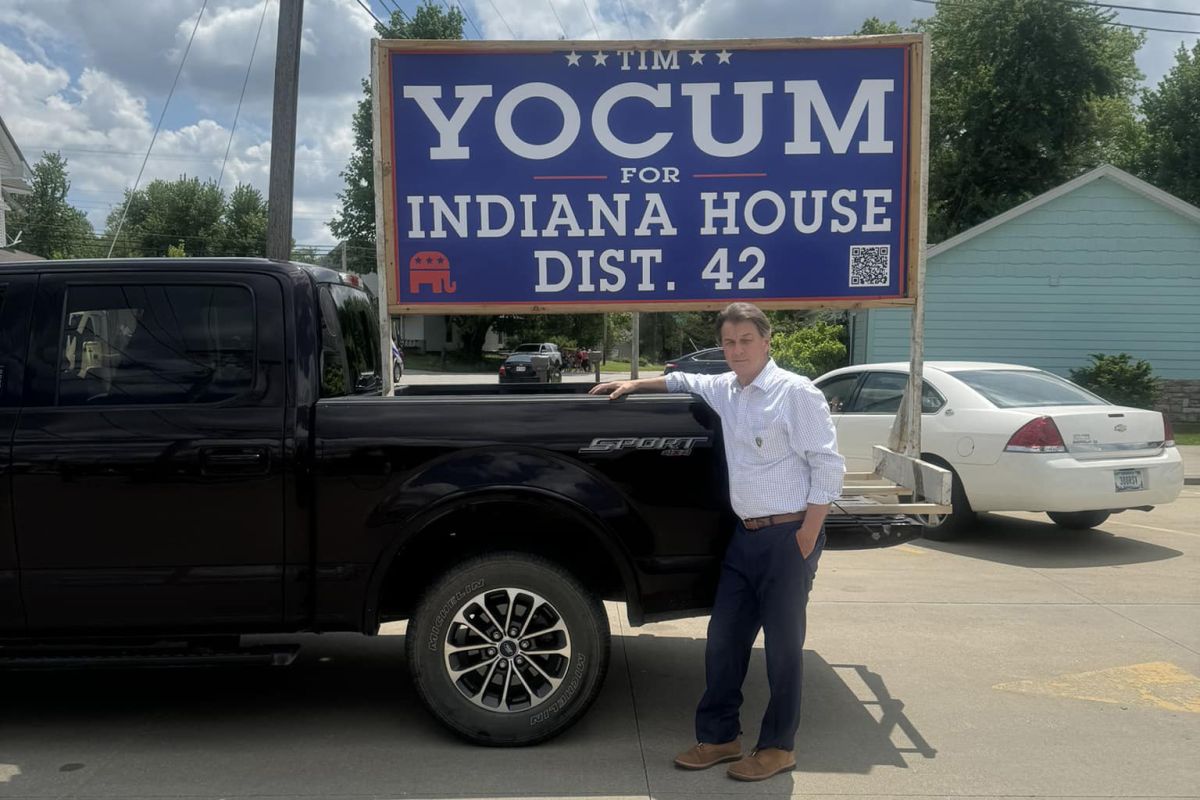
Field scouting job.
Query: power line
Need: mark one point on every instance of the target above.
(502, 19)
(625, 14)
(561, 27)
(167, 156)
(158, 127)
(450, 8)
(367, 9)
(245, 83)
(1133, 8)
(1105, 22)
(591, 18)
(468, 16)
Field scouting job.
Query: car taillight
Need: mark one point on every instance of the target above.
(670, 365)
(501, 371)
(1168, 432)
(1038, 436)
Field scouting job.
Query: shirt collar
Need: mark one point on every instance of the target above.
(762, 380)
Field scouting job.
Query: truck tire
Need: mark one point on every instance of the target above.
(1078, 520)
(517, 685)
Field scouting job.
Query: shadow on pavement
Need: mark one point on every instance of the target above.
(850, 722)
(1032, 543)
(344, 720)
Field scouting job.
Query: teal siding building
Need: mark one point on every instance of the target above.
(1106, 263)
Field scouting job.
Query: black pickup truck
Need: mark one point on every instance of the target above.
(192, 451)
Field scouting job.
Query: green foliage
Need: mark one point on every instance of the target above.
(190, 213)
(355, 222)
(1120, 379)
(1172, 111)
(48, 225)
(166, 212)
(243, 229)
(1026, 94)
(874, 26)
(812, 350)
(176, 251)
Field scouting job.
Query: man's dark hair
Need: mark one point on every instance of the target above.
(744, 312)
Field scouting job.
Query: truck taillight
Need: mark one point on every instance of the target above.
(1037, 436)
(1168, 432)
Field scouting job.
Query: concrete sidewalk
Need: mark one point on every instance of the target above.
(1021, 661)
(1191, 463)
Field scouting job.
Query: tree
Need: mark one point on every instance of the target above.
(49, 226)
(1120, 379)
(812, 350)
(355, 222)
(874, 26)
(166, 213)
(243, 230)
(1024, 93)
(1172, 111)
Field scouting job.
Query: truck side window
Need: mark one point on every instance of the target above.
(136, 344)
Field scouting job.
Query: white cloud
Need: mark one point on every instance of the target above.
(91, 77)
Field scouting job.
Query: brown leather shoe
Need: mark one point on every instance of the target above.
(763, 764)
(703, 755)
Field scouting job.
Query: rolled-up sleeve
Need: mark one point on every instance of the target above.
(690, 383)
(812, 435)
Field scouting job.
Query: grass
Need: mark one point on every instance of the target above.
(1187, 433)
(644, 371)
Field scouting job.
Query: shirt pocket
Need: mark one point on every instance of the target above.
(767, 443)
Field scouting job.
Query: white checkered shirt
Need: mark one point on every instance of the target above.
(780, 442)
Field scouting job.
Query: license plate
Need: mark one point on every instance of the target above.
(1130, 480)
(519, 369)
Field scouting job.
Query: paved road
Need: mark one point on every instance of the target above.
(1021, 661)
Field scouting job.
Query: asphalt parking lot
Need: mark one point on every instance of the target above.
(1022, 661)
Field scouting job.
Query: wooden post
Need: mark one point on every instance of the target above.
(905, 436)
(283, 130)
(635, 345)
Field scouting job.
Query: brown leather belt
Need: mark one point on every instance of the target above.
(756, 523)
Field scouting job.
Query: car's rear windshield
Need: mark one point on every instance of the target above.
(1019, 388)
(528, 348)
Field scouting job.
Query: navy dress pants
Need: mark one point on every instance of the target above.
(764, 584)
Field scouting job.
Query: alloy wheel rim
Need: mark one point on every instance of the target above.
(507, 650)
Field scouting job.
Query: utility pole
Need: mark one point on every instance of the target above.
(283, 130)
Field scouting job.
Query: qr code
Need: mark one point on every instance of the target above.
(870, 264)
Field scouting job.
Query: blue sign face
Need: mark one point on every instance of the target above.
(561, 179)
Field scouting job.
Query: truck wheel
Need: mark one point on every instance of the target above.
(508, 649)
(1078, 520)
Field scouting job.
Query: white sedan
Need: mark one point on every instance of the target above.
(1016, 439)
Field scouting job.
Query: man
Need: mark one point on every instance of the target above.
(784, 471)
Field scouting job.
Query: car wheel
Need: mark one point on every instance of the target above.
(1078, 520)
(943, 528)
(508, 649)
(397, 373)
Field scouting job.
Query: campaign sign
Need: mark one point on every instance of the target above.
(569, 176)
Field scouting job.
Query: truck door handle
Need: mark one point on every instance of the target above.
(234, 461)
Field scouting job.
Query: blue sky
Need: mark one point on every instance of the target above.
(90, 77)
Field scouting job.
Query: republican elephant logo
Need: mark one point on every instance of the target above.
(432, 269)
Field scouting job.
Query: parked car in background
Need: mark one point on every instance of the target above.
(548, 349)
(710, 361)
(530, 366)
(1016, 439)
